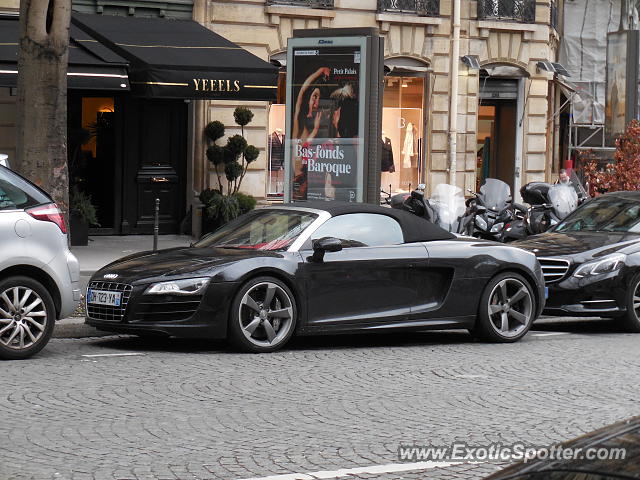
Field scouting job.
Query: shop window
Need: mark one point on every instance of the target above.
(402, 162)
(276, 150)
(276, 131)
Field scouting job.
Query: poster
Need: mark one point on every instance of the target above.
(615, 106)
(325, 123)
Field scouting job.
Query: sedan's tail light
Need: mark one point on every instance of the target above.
(49, 213)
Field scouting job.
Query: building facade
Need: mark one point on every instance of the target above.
(505, 101)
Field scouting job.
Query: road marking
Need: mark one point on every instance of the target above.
(549, 334)
(372, 469)
(132, 354)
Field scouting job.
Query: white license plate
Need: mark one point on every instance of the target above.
(102, 297)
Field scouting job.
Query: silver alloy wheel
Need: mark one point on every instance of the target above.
(510, 307)
(266, 314)
(23, 318)
(636, 301)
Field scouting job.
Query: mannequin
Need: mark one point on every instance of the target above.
(386, 161)
(408, 147)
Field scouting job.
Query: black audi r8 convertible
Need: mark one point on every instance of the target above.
(591, 260)
(320, 267)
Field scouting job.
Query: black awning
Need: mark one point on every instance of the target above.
(181, 59)
(86, 69)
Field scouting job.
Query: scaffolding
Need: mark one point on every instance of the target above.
(583, 52)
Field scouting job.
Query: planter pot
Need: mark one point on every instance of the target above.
(79, 231)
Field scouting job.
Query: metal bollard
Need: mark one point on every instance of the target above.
(156, 225)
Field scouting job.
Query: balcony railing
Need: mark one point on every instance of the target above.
(523, 11)
(554, 15)
(423, 8)
(326, 4)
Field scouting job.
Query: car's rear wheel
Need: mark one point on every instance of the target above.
(630, 321)
(27, 317)
(507, 309)
(263, 315)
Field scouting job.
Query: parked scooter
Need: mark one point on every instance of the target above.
(448, 203)
(550, 204)
(493, 215)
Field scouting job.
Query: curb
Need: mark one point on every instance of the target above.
(74, 327)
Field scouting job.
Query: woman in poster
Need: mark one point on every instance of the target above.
(307, 115)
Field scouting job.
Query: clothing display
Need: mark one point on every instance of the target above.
(386, 162)
(408, 146)
(276, 151)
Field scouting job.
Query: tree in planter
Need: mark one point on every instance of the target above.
(230, 162)
(624, 172)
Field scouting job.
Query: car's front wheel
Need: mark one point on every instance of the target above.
(263, 315)
(27, 317)
(507, 309)
(630, 321)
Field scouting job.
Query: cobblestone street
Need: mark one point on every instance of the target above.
(137, 409)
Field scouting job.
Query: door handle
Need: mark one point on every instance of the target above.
(159, 179)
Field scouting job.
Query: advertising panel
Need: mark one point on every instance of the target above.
(326, 122)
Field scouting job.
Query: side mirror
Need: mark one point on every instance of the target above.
(323, 245)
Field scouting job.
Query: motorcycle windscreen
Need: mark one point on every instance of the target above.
(448, 203)
(564, 199)
(495, 194)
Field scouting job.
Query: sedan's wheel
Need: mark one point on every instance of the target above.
(263, 315)
(507, 309)
(27, 317)
(630, 321)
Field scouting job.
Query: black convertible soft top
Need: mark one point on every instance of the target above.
(414, 228)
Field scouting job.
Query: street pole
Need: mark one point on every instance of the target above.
(453, 106)
(156, 225)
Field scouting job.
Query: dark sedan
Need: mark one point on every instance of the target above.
(610, 453)
(320, 268)
(591, 260)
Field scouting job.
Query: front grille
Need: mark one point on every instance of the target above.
(105, 312)
(166, 308)
(553, 269)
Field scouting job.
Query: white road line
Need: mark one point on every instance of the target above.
(549, 334)
(133, 354)
(372, 469)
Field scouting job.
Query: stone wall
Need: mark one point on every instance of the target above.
(264, 30)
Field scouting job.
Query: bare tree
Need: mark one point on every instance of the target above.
(42, 96)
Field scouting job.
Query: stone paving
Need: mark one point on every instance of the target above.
(195, 410)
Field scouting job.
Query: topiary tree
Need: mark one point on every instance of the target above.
(230, 162)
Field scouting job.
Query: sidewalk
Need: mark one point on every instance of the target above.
(101, 251)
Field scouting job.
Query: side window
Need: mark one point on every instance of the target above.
(361, 230)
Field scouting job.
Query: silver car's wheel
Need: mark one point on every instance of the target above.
(510, 307)
(263, 316)
(27, 315)
(507, 309)
(23, 318)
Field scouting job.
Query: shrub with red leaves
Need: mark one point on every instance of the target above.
(623, 173)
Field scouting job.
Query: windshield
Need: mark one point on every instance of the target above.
(264, 229)
(448, 202)
(495, 194)
(605, 214)
(563, 198)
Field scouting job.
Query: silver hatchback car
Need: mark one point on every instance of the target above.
(38, 274)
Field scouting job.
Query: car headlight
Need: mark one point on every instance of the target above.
(607, 264)
(187, 286)
(497, 227)
(480, 222)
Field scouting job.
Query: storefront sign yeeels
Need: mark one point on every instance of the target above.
(214, 85)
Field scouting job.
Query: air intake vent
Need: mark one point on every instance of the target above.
(553, 269)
